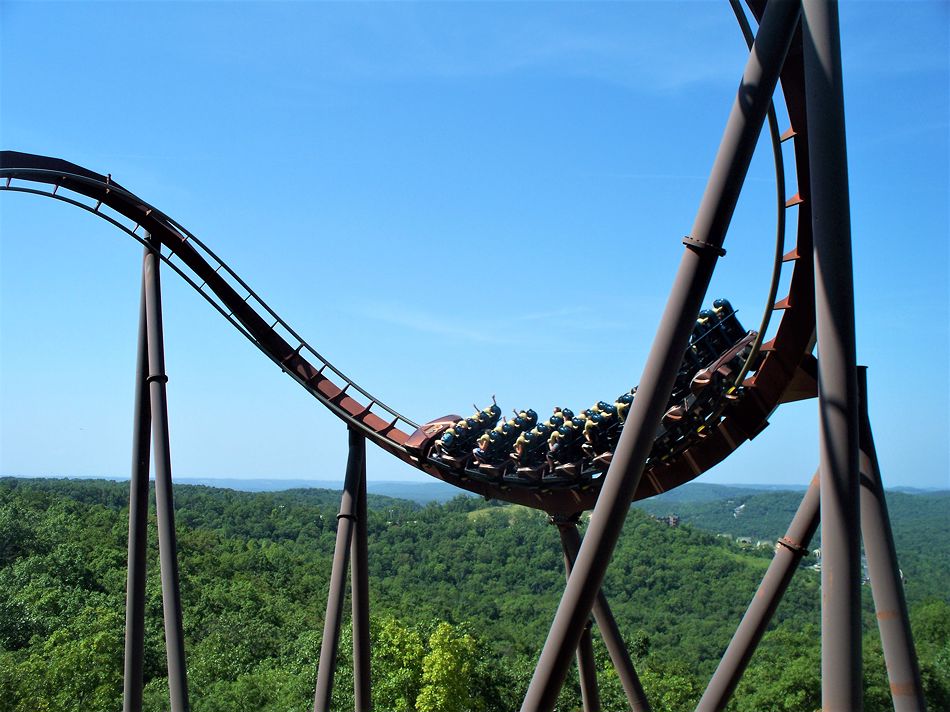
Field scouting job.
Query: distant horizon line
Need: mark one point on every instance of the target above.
(426, 481)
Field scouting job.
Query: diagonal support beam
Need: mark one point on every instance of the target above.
(704, 245)
(604, 618)
(900, 656)
(788, 553)
(586, 663)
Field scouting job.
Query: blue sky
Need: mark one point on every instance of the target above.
(450, 201)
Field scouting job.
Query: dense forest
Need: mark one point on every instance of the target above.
(921, 524)
(462, 595)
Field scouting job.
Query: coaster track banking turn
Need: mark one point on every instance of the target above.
(784, 370)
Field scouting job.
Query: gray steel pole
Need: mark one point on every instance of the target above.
(138, 524)
(841, 687)
(789, 551)
(609, 630)
(703, 249)
(344, 532)
(359, 583)
(164, 503)
(900, 656)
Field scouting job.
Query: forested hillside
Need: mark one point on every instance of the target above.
(462, 596)
(921, 524)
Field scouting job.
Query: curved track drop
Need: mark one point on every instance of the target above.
(693, 438)
(723, 395)
(684, 449)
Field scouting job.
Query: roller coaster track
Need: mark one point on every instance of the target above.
(783, 369)
(718, 403)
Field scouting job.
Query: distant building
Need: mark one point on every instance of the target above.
(671, 520)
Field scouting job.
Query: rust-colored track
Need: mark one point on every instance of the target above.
(784, 372)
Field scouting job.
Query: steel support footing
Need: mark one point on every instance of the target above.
(606, 623)
(346, 519)
(788, 554)
(704, 246)
(841, 679)
(900, 656)
(132, 679)
(164, 503)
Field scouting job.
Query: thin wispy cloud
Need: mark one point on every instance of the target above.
(584, 318)
(425, 322)
(551, 314)
(450, 42)
(516, 329)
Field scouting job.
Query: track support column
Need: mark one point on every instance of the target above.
(344, 533)
(587, 670)
(164, 503)
(704, 246)
(586, 663)
(132, 679)
(837, 377)
(606, 624)
(359, 587)
(788, 553)
(900, 656)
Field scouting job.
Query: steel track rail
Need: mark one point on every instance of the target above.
(216, 282)
(783, 372)
(786, 368)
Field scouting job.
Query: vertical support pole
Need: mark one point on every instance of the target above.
(359, 553)
(900, 657)
(587, 670)
(138, 525)
(704, 246)
(788, 553)
(607, 625)
(164, 504)
(837, 378)
(344, 532)
(586, 664)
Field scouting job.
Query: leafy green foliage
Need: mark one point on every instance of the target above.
(398, 654)
(919, 521)
(462, 595)
(447, 673)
